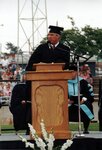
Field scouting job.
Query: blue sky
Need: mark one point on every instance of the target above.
(84, 12)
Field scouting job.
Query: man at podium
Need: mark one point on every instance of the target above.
(53, 51)
(50, 52)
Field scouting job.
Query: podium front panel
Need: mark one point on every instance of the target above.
(50, 103)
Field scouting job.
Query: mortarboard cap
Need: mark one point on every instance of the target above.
(55, 29)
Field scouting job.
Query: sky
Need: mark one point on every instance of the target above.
(84, 12)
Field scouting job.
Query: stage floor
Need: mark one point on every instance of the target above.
(93, 141)
(75, 134)
(92, 134)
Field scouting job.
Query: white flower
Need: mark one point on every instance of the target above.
(49, 139)
(40, 143)
(50, 143)
(38, 140)
(66, 145)
(33, 131)
(44, 132)
(51, 136)
(28, 144)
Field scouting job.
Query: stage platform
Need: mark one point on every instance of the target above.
(93, 141)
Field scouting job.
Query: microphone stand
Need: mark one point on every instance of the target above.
(78, 74)
(79, 114)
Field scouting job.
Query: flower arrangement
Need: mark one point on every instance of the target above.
(48, 139)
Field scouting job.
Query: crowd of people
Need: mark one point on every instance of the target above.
(10, 73)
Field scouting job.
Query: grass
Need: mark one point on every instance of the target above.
(9, 129)
(94, 126)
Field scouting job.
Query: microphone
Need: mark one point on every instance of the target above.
(49, 44)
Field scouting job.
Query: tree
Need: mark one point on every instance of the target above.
(85, 41)
(94, 40)
(13, 49)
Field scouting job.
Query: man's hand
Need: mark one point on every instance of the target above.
(23, 102)
(70, 101)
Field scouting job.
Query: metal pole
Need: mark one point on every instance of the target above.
(79, 115)
(32, 25)
(1, 43)
(18, 26)
(46, 17)
(18, 34)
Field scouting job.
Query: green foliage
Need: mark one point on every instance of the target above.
(13, 49)
(85, 41)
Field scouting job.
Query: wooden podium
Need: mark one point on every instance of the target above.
(49, 91)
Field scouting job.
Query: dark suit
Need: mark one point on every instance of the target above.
(21, 112)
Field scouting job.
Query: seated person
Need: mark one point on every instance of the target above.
(20, 107)
(86, 100)
(100, 105)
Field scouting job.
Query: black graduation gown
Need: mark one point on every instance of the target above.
(21, 112)
(100, 105)
(44, 53)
